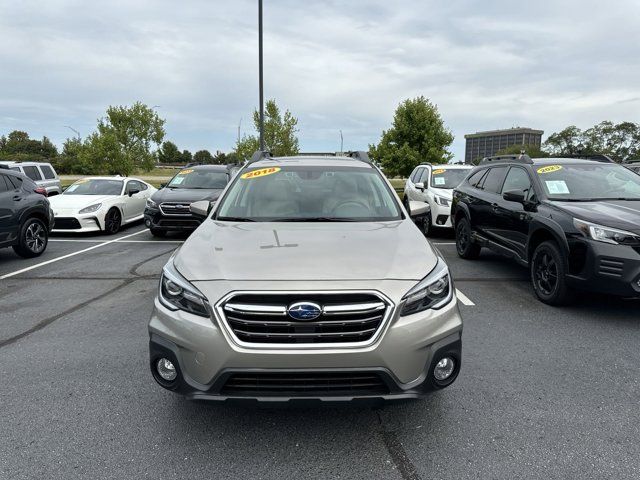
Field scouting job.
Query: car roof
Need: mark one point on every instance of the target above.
(220, 168)
(113, 177)
(312, 161)
(25, 164)
(562, 160)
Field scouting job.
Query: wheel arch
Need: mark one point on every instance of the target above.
(544, 231)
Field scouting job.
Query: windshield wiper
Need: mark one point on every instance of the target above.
(235, 219)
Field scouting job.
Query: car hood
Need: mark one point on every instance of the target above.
(306, 251)
(443, 192)
(77, 202)
(621, 214)
(185, 195)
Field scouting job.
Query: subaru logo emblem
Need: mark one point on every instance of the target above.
(304, 311)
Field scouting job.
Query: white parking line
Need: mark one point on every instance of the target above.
(464, 299)
(57, 259)
(78, 240)
(444, 243)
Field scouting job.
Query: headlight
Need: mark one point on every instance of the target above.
(433, 292)
(91, 208)
(606, 234)
(176, 293)
(151, 203)
(442, 201)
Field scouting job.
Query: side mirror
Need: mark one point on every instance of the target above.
(200, 208)
(133, 191)
(514, 196)
(164, 184)
(420, 186)
(418, 209)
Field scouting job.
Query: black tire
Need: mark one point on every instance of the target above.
(548, 274)
(32, 238)
(158, 233)
(465, 245)
(112, 221)
(427, 227)
(405, 202)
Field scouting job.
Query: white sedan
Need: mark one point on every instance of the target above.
(100, 204)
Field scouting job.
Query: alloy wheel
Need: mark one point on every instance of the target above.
(546, 273)
(35, 237)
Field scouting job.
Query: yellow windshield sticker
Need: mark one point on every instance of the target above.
(185, 172)
(260, 173)
(439, 171)
(550, 169)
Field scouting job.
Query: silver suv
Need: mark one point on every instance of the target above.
(43, 174)
(307, 280)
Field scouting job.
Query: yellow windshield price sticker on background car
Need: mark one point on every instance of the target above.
(439, 171)
(550, 169)
(185, 172)
(260, 173)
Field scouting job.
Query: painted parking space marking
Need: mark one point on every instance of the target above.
(444, 243)
(80, 240)
(464, 299)
(63, 257)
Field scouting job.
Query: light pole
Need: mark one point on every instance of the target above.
(74, 130)
(260, 75)
(341, 142)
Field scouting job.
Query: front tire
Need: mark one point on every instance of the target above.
(112, 222)
(427, 227)
(548, 274)
(32, 238)
(465, 246)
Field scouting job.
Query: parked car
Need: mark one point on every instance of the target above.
(575, 223)
(308, 280)
(168, 208)
(434, 184)
(100, 204)
(25, 215)
(42, 173)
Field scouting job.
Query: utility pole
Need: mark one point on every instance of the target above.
(341, 142)
(239, 125)
(260, 75)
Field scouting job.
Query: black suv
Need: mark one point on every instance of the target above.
(25, 215)
(168, 208)
(574, 222)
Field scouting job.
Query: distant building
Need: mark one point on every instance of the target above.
(485, 144)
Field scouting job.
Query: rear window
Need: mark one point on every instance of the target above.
(48, 172)
(32, 172)
(475, 179)
(15, 181)
(4, 185)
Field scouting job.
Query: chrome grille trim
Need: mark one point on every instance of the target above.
(170, 208)
(266, 326)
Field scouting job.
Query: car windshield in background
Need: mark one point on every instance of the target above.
(309, 193)
(95, 187)
(201, 179)
(592, 181)
(448, 177)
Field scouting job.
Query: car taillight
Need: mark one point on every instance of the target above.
(41, 191)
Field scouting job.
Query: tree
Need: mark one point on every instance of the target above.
(203, 156)
(18, 146)
(418, 134)
(124, 140)
(533, 151)
(73, 161)
(221, 158)
(279, 134)
(186, 157)
(169, 153)
(620, 141)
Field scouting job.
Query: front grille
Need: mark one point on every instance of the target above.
(304, 384)
(611, 267)
(66, 223)
(346, 317)
(175, 208)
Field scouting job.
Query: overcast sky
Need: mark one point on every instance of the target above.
(335, 65)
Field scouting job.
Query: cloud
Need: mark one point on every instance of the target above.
(336, 65)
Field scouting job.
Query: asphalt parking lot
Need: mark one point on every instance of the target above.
(543, 393)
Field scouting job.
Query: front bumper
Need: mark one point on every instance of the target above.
(75, 223)
(441, 215)
(154, 218)
(605, 268)
(403, 357)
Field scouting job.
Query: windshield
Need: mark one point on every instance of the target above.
(592, 181)
(309, 193)
(448, 177)
(199, 178)
(95, 187)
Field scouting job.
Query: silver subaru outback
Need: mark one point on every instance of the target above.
(307, 281)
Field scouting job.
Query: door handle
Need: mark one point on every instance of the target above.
(17, 198)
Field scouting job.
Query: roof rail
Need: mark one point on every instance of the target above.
(259, 155)
(359, 155)
(519, 158)
(598, 157)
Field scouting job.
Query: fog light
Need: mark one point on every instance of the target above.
(444, 368)
(166, 370)
(147, 222)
